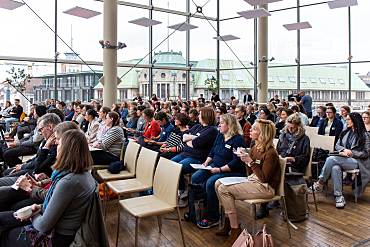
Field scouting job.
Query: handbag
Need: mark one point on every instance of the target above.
(261, 239)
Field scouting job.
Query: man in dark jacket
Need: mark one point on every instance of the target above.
(316, 120)
(247, 97)
(46, 154)
(215, 97)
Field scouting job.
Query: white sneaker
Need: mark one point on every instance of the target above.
(340, 202)
(317, 188)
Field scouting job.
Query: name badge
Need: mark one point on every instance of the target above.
(258, 162)
(198, 134)
(333, 128)
(163, 133)
(227, 146)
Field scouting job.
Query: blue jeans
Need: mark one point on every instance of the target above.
(186, 167)
(8, 121)
(200, 176)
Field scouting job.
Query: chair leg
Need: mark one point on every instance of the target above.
(356, 188)
(182, 231)
(286, 216)
(105, 190)
(119, 215)
(313, 193)
(253, 216)
(136, 230)
(342, 179)
(222, 217)
(159, 223)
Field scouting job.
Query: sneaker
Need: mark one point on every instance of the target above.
(317, 188)
(183, 203)
(273, 205)
(205, 224)
(262, 213)
(340, 202)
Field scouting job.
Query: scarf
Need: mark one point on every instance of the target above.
(292, 138)
(40, 239)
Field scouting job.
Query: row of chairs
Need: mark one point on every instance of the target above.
(142, 174)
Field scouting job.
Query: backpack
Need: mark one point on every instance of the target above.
(296, 197)
(197, 202)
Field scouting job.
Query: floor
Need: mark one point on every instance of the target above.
(327, 227)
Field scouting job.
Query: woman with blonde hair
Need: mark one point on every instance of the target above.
(264, 166)
(224, 163)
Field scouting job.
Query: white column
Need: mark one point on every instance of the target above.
(110, 55)
(262, 37)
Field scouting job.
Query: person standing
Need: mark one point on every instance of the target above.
(247, 97)
(306, 101)
(201, 98)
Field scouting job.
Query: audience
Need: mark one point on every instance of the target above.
(124, 112)
(354, 145)
(14, 116)
(331, 126)
(316, 120)
(264, 166)
(132, 122)
(366, 118)
(285, 113)
(250, 115)
(93, 126)
(167, 129)
(344, 111)
(224, 163)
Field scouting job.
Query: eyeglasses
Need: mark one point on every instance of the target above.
(42, 128)
(329, 112)
(348, 119)
(365, 117)
(218, 112)
(237, 111)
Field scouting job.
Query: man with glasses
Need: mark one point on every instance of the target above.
(45, 156)
(316, 120)
(220, 111)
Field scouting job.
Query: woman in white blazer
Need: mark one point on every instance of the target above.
(93, 127)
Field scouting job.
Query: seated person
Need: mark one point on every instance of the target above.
(354, 143)
(45, 156)
(316, 120)
(110, 143)
(30, 190)
(264, 166)
(15, 115)
(174, 144)
(132, 121)
(93, 126)
(303, 116)
(199, 142)
(331, 126)
(5, 113)
(174, 112)
(152, 128)
(194, 117)
(224, 163)
(85, 124)
(294, 145)
(167, 128)
(78, 117)
(102, 126)
(24, 146)
(266, 115)
(250, 115)
(28, 126)
(240, 112)
(71, 113)
(66, 201)
(285, 113)
(140, 126)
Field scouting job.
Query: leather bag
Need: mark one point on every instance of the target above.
(261, 239)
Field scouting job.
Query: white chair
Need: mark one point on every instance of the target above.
(324, 142)
(279, 194)
(308, 176)
(356, 172)
(275, 142)
(310, 131)
(130, 161)
(164, 199)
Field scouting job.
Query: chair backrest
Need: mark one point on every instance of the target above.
(132, 151)
(324, 142)
(280, 187)
(308, 171)
(23, 115)
(146, 165)
(310, 131)
(275, 142)
(166, 181)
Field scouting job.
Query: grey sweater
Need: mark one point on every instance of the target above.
(140, 128)
(67, 206)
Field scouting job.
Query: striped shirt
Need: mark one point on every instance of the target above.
(175, 140)
(112, 141)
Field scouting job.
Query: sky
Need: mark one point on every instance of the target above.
(25, 35)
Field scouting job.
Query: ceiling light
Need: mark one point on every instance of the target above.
(9, 4)
(255, 13)
(226, 37)
(145, 22)
(81, 12)
(342, 3)
(182, 26)
(297, 26)
(260, 2)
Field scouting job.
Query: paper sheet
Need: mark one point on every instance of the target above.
(94, 149)
(233, 180)
(201, 167)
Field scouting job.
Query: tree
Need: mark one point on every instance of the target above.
(18, 79)
(213, 84)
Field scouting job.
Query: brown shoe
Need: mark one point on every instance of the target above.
(225, 231)
(235, 232)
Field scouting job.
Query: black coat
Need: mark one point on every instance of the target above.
(315, 121)
(300, 152)
(249, 98)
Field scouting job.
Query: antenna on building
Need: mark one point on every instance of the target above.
(168, 30)
(71, 38)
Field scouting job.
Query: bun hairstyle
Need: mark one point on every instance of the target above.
(91, 112)
(115, 117)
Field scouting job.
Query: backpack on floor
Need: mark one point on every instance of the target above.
(197, 202)
(296, 196)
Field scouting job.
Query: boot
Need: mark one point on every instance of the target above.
(235, 232)
(225, 231)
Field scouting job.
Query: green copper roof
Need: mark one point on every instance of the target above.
(169, 58)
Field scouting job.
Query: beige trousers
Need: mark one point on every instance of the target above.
(255, 189)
